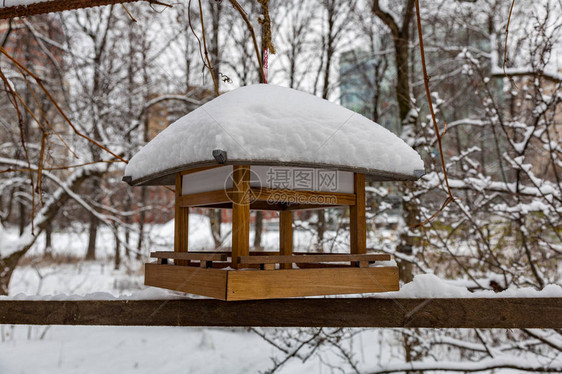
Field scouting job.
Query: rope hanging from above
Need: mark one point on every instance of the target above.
(266, 23)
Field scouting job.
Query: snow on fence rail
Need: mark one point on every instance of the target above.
(23, 8)
(545, 312)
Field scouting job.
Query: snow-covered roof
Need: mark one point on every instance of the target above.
(265, 124)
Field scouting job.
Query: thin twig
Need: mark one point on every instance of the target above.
(209, 66)
(40, 166)
(43, 114)
(59, 109)
(128, 13)
(444, 129)
(447, 202)
(194, 33)
(14, 102)
(435, 127)
(66, 167)
(160, 3)
(253, 34)
(205, 64)
(506, 36)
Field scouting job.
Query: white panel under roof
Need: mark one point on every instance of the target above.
(275, 177)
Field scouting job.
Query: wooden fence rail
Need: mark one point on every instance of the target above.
(310, 312)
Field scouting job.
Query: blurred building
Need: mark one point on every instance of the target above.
(164, 110)
(365, 87)
(31, 42)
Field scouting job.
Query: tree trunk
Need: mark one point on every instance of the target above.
(127, 223)
(94, 223)
(21, 217)
(258, 228)
(216, 219)
(402, 77)
(93, 233)
(401, 39)
(7, 267)
(47, 213)
(146, 139)
(321, 228)
(216, 10)
(117, 250)
(48, 240)
(330, 49)
(408, 242)
(142, 218)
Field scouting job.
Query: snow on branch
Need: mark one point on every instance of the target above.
(523, 72)
(497, 71)
(65, 191)
(503, 362)
(24, 8)
(489, 185)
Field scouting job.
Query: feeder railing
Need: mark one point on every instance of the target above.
(190, 256)
(313, 258)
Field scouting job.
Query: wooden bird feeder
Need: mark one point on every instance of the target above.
(265, 147)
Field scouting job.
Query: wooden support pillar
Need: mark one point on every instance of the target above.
(285, 236)
(357, 223)
(181, 230)
(240, 213)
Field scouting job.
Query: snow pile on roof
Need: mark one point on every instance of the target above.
(267, 123)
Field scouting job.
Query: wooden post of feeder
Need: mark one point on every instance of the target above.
(285, 236)
(240, 213)
(357, 223)
(181, 223)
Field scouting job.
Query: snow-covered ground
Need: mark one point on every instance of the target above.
(80, 349)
